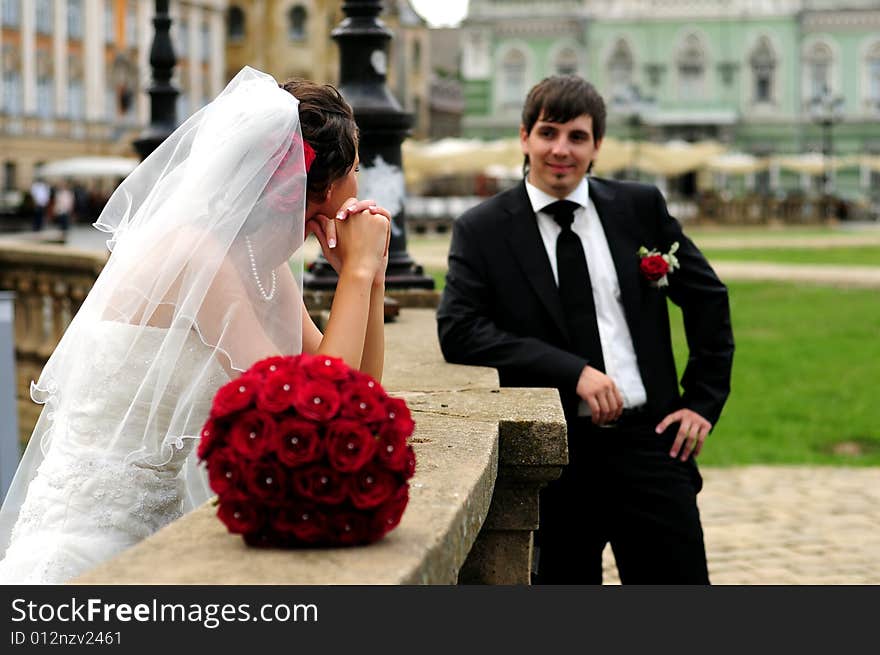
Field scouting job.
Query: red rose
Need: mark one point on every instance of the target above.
(224, 475)
(653, 267)
(277, 392)
(323, 367)
(389, 514)
(212, 436)
(266, 480)
(348, 528)
(370, 487)
(349, 445)
(270, 365)
(297, 442)
(240, 516)
(317, 400)
(321, 484)
(252, 433)
(400, 421)
(235, 396)
(391, 450)
(363, 402)
(302, 520)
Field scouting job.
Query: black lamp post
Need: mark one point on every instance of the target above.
(826, 110)
(163, 94)
(363, 57)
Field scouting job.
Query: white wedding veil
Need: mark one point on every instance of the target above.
(205, 238)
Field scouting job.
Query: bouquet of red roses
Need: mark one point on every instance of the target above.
(305, 451)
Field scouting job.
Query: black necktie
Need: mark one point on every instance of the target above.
(575, 290)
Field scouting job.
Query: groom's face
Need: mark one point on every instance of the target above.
(559, 153)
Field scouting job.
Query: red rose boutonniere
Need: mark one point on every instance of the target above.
(656, 266)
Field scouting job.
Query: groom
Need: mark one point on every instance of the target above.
(553, 283)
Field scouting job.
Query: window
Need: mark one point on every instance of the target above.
(111, 102)
(873, 65)
(566, 62)
(182, 43)
(235, 24)
(11, 13)
(45, 100)
(131, 26)
(12, 91)
(206, 42)
(620, 71)
(691, 69)
(763, 63)
(74, 19)
(44, 16)
(9, 175)
(819, 60)
(76, 100)
(513, 79)
(296, 23)
(109, 27)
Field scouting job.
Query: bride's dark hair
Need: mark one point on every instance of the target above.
(328, 126)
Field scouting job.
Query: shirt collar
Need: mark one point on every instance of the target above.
(539, 199)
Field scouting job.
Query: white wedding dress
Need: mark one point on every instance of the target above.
(88, 501)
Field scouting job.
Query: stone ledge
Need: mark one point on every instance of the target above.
(449, 500)
(482, 455)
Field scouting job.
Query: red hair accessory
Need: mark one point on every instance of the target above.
(308, 154)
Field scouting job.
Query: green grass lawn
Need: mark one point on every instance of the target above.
(805, 377)
(843, 256)
(807, 366)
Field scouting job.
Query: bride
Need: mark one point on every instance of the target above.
(204, 279)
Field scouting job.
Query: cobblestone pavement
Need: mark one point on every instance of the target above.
(783, 525)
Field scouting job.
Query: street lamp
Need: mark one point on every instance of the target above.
(363, 58)
(825, 111)
(163, 94)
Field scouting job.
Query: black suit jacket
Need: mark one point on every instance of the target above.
(501, 306)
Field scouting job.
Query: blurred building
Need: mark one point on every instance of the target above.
(781, 76)
(74, 74)
(291, 38)
(445, 93)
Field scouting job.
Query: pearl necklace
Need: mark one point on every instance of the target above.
(266, 296)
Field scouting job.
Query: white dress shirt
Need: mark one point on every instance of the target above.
(618, 352)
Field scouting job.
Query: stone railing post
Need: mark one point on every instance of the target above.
(50, 283)
(9, 424)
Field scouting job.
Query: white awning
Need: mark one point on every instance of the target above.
(692, 117)
(89, 167)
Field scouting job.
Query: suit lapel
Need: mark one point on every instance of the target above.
(622, 236)
(528, 250)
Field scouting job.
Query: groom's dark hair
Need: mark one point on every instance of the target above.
(328, 126)
(559, 99)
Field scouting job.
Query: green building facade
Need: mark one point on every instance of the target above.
(764, 77)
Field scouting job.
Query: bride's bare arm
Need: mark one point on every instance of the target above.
(354, 330)
(373, 360)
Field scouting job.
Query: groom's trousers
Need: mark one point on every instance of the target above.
(621, 486)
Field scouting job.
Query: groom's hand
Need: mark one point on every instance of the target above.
(692, 432)
(601, 394)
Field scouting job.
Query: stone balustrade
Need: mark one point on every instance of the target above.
(483, 454)
(50, 283)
